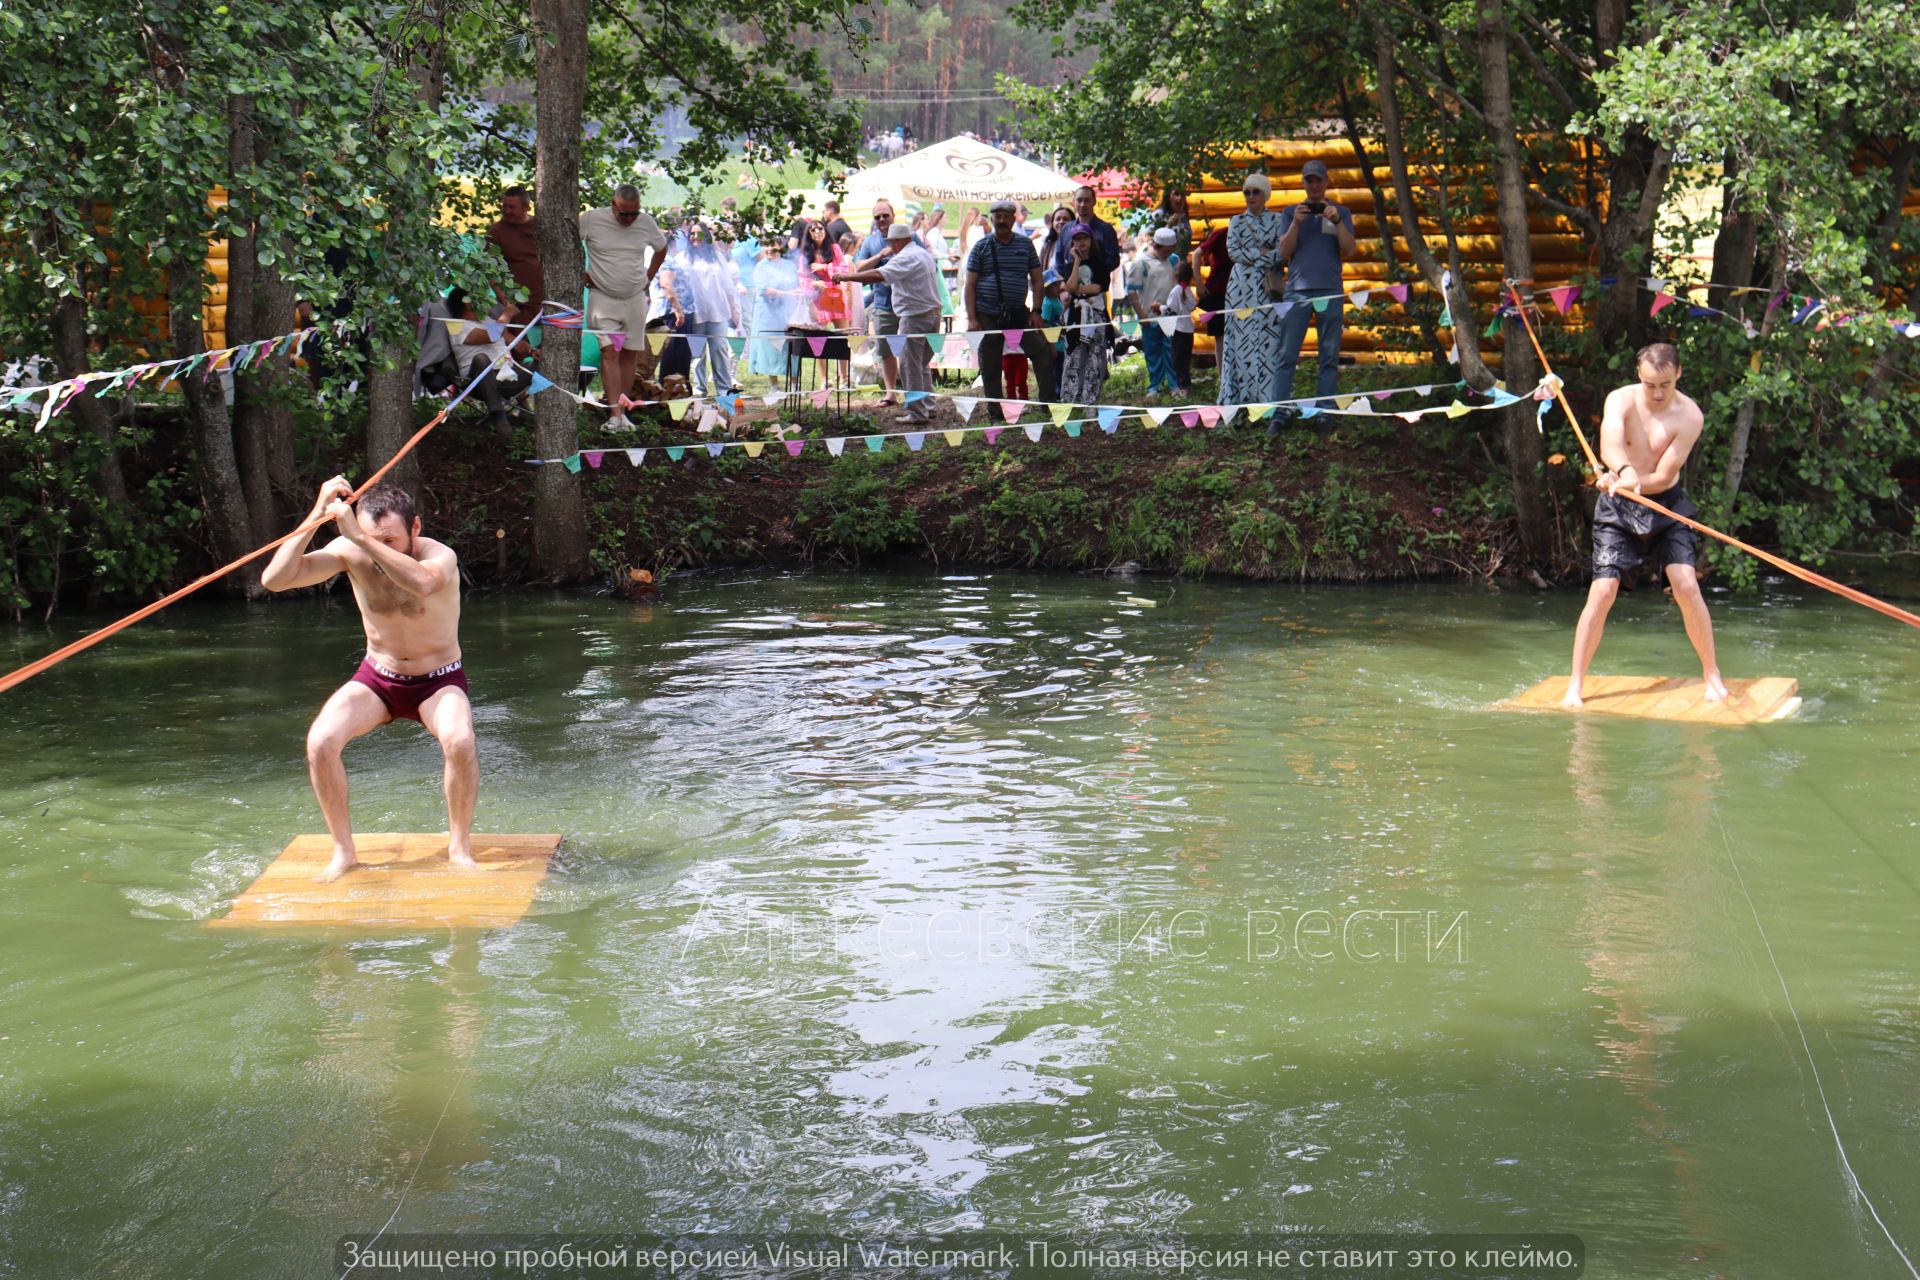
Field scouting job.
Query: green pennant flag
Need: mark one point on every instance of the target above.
(876, 443)
(1493, 328)
(573, 464)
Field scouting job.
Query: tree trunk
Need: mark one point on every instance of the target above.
(1524, 454)
(221, 492)
(390, 379)
(1448, 284)
(70, 356)
(1636, 183)
(1743, 416)
(276, 383)
(249, 434)
(560, 68)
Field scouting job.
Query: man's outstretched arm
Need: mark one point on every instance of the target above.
(293, 566)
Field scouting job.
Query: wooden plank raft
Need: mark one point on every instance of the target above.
(403, 882)
(1669, 698)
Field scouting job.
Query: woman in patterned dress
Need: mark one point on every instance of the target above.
(1250, 351)
(1083, 374)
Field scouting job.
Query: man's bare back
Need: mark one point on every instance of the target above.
(408, 590)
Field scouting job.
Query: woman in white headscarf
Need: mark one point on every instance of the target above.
(1250, 349)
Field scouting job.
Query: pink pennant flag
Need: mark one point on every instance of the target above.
(993, 433)
(1382, 395)
(619, 341)
(1189, 417)
(820, 397)
(1210, 415)
(1564, 297)
(1778, 298)
(1399, 292)
(1013, 336)
(1012, 409)
(1661, 301)
(593, 456)
(818, 346)
(794, 447)
(1206, 317)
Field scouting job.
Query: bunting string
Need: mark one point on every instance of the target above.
(1062, 416)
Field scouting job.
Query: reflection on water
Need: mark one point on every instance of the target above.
(974, 902)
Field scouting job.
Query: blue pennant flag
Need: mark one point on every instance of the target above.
(1109, 420)
(1309, 410)
(538, 384)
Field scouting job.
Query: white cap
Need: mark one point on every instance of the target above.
(1166, 235)
(899, 231)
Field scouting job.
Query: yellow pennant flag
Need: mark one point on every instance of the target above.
(954, 438)
(678, 408)
(1059, 411)
(754, 447)
(1051, 333)
(1258, 411)
(1243, 313)
(1345, 402)
(657, 341)
(1457, 410)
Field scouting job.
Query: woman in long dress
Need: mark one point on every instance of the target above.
(1083, 374)
(1250, 349)
(776, 288)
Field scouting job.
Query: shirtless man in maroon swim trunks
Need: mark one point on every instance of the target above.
(408, 590)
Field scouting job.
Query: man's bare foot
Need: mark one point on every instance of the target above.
(1573, 701)
(1716, 688)
(461, 859)
(343, 862)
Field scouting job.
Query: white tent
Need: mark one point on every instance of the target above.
(962, 170)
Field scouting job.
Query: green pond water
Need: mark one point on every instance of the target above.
(923, 904)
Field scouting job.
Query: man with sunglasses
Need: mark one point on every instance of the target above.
(625, 249)
(882, 319)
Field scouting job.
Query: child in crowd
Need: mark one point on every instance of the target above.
(1182, 302)
(1053, 311)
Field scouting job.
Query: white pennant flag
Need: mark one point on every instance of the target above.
(636, 456)
(1168, 324)
(964, 406)
(1033, 430)
(974, 338)
(835, 444)
(709, 419)
(1159, 416)
(1359, 297)
(773, 397)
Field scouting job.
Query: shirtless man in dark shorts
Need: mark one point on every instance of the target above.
(408, 590)
(1645, 437)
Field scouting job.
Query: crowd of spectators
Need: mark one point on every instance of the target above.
(799, 294)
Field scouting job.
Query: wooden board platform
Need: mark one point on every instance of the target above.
(1669, 698)
(402, 882)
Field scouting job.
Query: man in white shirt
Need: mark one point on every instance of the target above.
(624, 251)
(909, 272)
(1149, 281)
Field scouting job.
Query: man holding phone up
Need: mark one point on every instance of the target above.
(1319, 237)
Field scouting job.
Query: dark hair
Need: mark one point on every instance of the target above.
(831, 204)
(522, 192)
(1659, 356)
(383, 500)
(457, 301)
(1184, 272)
(811, 253)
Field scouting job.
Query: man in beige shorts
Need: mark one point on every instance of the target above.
(625, 248)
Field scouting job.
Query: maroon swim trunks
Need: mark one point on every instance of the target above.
(404, 694)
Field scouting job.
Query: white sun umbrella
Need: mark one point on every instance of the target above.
(958, 171)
